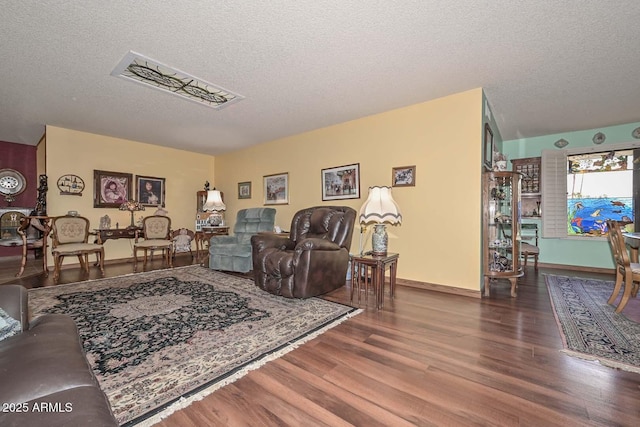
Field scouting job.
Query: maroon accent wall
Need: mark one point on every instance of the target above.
(22, 158)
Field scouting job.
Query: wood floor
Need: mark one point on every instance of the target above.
(426, 359)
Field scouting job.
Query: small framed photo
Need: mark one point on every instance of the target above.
(342, 182)
(403, 176)
(111, 189)
(150, 191)
(244, 190)
(488, 147)
(276, 189)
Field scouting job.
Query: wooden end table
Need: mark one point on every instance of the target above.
(203, 236)
(376, 264)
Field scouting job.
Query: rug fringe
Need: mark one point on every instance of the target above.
(184, 402)
(603, 362)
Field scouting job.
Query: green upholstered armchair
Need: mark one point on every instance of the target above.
(233, 253)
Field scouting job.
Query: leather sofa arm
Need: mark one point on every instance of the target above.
(316, 244)
(260, 242)
(14, 299)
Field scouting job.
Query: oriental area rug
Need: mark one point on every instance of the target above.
(589, 326)
(160, 340)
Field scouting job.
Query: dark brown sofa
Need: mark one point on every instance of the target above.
(45, 377)
(313, 260)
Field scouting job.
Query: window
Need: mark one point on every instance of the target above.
(599, 187)
(583, 188)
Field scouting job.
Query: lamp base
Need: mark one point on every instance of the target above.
(215, 219)
(379, 240)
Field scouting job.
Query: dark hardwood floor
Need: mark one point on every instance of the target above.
(427, 359)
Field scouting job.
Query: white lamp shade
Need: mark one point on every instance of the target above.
(214, 202)
(380, 207)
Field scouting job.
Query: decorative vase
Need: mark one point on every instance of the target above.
(215, 219)
(379, 240)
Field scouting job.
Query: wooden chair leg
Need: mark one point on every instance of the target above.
(535, 262)
(628, 286)
(56, 267)
(100, 255)
(616, 288)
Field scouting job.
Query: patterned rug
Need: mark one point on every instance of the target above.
(158, 341)
(589, 326)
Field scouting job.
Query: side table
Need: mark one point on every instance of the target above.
(203, 236)
(377, 264)
(105, 234)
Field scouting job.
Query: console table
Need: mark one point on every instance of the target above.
(377, 264)
(116, 233)
(203, 237)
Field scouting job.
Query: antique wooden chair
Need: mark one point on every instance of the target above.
(71, 237)
(529, 231)
(156, 231)
(626, 271)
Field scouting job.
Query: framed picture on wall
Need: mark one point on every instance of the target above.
(403, 176)
(488, 147)
(150, 191)
(111, 189)
(341, 182)
(276, 189)
(244, 190)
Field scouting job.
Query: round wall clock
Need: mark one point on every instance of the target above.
(12, 183)
(70, 185)
(636, 133)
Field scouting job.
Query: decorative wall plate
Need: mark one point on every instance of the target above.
(561, 143)
(12, 183)
(636, 133)
(70, 185)
(599, 138)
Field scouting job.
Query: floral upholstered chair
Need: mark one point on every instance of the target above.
(71, 237)
(156, 231)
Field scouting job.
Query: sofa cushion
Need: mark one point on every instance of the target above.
(43, 360)
(8, 325)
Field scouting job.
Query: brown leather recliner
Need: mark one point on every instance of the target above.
(313, 260)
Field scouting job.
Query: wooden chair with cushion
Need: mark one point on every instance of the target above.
(156, 231)
(71, 237)
(529, 232)
(626, 271)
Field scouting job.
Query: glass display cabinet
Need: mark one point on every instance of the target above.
(501, 228)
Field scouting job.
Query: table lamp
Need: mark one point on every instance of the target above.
(215, 205)
(380, 209)
(131, 206)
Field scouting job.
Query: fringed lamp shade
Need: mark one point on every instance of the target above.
(131, 206)
(380, 209)
(215, 205)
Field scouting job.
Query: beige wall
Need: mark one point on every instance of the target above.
(439, 239)
(80, 153)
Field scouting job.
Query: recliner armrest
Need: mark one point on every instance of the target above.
(14, 299)
(261, 242)
(222, 240)
(317, 244)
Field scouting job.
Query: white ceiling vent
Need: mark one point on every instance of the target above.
(140, 69)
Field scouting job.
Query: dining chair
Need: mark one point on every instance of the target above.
(70, 236)
(626, 271)
(529, 231)
(156, 232)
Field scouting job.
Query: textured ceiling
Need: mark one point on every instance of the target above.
(546, 66)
